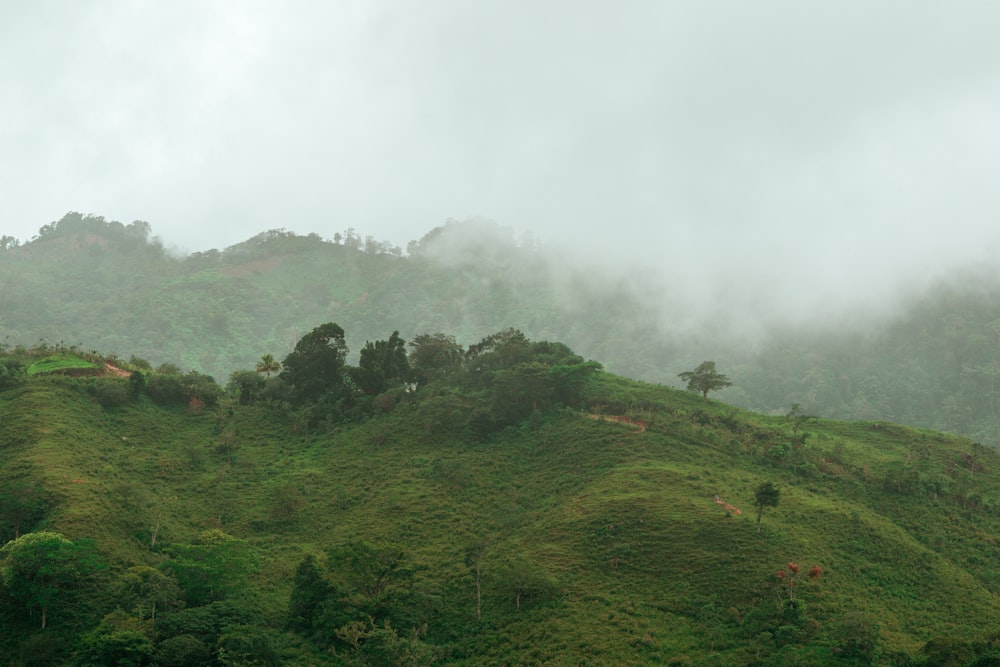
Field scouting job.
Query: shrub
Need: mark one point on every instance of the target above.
(182, 651)
(110, 393)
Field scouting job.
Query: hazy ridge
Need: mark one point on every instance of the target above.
(929, 359)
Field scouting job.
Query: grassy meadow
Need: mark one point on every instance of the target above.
(627, 544)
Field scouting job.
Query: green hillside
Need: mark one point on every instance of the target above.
(626, 541)
(929, 360)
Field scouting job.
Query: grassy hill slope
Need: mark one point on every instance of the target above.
(628, 557)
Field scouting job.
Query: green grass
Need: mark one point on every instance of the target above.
(692, 583)
(59, 363)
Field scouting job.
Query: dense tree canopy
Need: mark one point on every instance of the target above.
(315, 367)
(382, 364)
(40, 568)
(434, 355)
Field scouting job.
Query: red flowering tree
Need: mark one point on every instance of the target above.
(790, 577)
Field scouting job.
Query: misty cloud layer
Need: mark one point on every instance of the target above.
(775, 155)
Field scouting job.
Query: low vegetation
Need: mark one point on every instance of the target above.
(505, 503)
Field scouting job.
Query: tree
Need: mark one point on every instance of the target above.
(790, 578)
(799, 417)
(245, 385)
(375, 580)
(247, 645)
(504, 349)
(381, 363)
(20, 507)
(145, 589)
(705, 379)
(309, 592)
(475, 555)
(119, 639)
(520, 581)
(316, 366)
(209, 570)
(434, 355)
(520, 390)
(766, 495)
(136, 383)
(38, 568)
(267, 365)
(374, 568)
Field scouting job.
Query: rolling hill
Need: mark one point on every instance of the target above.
(619, 529)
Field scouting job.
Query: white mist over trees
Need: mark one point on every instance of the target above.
(816, 158)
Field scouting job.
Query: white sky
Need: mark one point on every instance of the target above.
(791, 151)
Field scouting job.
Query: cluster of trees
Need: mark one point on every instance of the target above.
(506, 375)
(362, 603)
(192, 609)
(354, 604)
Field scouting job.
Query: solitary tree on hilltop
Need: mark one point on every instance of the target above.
(766, 495)
(705, 379)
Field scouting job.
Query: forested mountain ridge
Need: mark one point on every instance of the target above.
(217, 311)
(500, 503)
(933, 363)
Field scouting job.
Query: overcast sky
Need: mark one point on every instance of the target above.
(791, 151)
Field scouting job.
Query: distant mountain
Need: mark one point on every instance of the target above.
(111, 287)
(103, 285)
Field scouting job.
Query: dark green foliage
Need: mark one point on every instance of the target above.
(22, 506)
(518, 391)
(241, 645)
(315, 367)
(11, 373)
(178, 389)
(136, 383)
(211, 569)
(522, 583)
(498, 351)
(766, 495)
(182, 651)
(310, 592)
(112, 393)
(373, 570)
(521, 377)
(206, 623)
(371, 643)
(382, 364)
(40, 569)
(433, 356)
(120, 639)
(45, 649)
(857, 637)
(246, 386)
(145, 591)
